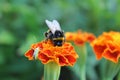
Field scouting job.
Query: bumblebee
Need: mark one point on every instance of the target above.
(55, 34)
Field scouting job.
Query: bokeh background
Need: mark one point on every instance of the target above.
(22, 22)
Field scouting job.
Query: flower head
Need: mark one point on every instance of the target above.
(79, 38)
(108, 46)
(64, 55)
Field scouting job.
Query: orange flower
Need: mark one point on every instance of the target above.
(79, 37)
(108, 46)
(64, 55)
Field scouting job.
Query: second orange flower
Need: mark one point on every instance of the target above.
(79, 37)
(108, 46)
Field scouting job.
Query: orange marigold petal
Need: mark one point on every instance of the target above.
(111, 45)
(37, 45)
(61, 60)
(111, 55)
(91, 37)
(47, 52)
(68, 47)
(44, 59)
(79, 42)
(99, 49)
(70, 36)
(71, 59)
(29, 54)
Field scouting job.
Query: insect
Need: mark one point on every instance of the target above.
(55, 34)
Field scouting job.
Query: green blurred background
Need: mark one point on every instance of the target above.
(22, 22)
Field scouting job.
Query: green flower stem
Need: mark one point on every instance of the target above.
(110, 70)
(81, 62)
(118, 77)
(51, 71)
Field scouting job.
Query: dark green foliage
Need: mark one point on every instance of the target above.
(22, 22)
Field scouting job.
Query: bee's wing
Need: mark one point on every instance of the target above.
(51, 26)
(56, 25)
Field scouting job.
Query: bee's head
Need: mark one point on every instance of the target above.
(58, 34)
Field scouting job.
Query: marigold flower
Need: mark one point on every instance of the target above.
(64, 55)
(79, 37)
(108, 46)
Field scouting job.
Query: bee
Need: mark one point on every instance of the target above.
(55, 34)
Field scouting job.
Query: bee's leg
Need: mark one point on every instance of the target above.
(46, 33)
